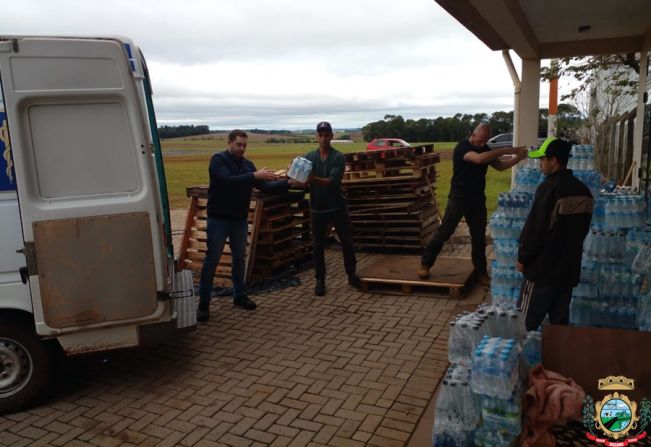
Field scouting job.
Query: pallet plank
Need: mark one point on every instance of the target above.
(450, 273)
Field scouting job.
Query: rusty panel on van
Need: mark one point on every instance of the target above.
(95, 269)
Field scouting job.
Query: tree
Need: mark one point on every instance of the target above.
(621, 73)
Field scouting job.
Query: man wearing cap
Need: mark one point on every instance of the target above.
(328, 206)
(470, 161)
(551, 242)
(232, 177)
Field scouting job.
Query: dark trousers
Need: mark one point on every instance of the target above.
(474, 210)
(537, 301)
(320, 224)
(217, 231)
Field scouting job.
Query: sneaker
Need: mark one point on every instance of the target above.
(203, 314)
(423, 272)
(244, 302)
(319, 289)
(354, 281)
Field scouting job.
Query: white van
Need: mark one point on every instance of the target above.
(86, 256)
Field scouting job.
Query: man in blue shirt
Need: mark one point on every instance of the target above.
(232, 177)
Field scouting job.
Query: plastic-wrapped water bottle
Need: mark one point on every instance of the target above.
(300, 169)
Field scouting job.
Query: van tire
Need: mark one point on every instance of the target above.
(25, 365)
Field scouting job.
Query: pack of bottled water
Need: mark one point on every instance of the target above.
(514, 204)
(466, 331)
(495, 367)
(605, 244)
(581, 158)
(490, 438)
(642, 266)
(457, 410)
(505, 322)
(300, 169)
(503, 227)
(503, 415)
(623, 209)
(532, 348)
(614, 302)
(636, 240)
(642, 261)
(505, 285)
(527, 178)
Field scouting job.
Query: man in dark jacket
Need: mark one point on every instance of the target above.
(232, 177)
(551, 242)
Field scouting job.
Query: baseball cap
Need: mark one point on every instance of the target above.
(552, 147)
(324, 126)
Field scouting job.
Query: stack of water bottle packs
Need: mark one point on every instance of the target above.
(505, 227)
(479, 401)
(608, 294)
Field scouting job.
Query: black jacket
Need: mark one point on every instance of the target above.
(231, 182)
(551, 242)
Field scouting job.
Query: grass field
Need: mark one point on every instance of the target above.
(186, 164)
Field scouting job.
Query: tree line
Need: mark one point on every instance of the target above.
(182, 131)
(459, 126)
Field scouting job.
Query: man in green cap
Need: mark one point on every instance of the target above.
(551, 242)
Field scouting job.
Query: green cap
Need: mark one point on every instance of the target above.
(542, 150)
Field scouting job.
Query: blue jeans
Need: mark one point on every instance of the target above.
(218, 230)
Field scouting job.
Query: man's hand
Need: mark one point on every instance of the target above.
(519, 267)
(265, 174)
(296, 184)
(521, 152)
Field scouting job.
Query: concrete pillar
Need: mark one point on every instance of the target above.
(526, 133)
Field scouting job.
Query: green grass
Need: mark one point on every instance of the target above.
(186, 164)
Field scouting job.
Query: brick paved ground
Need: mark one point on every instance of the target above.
(350, 369)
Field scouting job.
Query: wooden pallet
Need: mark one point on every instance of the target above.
(449, 275)
(194, 243)
(279, 228)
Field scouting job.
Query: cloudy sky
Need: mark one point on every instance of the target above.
(290, 63)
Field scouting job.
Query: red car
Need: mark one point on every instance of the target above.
(381, 144)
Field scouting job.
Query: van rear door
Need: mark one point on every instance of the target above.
(86, 183)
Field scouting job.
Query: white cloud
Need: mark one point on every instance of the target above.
(290, 63)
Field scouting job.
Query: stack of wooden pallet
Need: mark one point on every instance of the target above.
(283, 236)
(391, 197)
(278, 235)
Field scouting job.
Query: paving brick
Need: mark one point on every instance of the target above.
(298, 372)
(301, 439)
(283, 430)
(234, 441)
(261, 436)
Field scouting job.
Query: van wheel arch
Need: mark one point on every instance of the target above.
(25, 361)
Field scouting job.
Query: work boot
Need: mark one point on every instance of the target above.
(319, 289)
(203, 313)
(244, 302)
(354, 281)
(423, 272)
